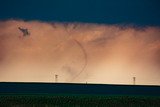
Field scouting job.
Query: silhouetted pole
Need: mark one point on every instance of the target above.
(56, 78)
(134, 80)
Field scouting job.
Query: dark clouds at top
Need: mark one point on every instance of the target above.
(138, 12)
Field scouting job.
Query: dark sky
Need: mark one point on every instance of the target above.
(138, 12)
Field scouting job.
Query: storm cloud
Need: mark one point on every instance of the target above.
(79, 52)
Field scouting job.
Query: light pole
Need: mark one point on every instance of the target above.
(56, 78)
(134, 80)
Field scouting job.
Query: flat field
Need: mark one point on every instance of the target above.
(78, 101)
(14, 94)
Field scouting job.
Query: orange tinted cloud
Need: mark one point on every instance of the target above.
(114, 53)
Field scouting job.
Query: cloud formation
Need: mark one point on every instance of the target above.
(79, 52)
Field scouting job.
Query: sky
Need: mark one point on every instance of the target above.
(94, 41)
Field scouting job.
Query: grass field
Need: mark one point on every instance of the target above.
(77, 95)
(78, 101)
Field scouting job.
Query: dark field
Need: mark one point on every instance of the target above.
(79, 101)
(77, 95)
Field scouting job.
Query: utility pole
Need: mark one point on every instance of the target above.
(56, 78)
(134, 80)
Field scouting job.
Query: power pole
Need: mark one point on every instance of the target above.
(56, 78)
(134, 80)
